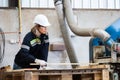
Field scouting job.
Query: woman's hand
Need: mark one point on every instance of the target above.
(40, 62)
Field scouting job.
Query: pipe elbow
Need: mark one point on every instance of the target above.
(96, 32)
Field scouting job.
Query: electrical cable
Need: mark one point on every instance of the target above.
(2, 45)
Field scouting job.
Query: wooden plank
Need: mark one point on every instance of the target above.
(17, 76)
(7, 77)
(13, 76)
(98, 76)
(105, 74)
(79, 64)
(66, 77)
(30, 76)
(95, 66)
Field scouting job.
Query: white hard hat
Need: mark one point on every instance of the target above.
(41, 20)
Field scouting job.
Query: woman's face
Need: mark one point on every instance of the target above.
(42, 30)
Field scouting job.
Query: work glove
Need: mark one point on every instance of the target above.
(40, 62)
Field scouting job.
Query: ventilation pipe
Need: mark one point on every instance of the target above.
(65, 33)
(95, 32)
(65, 10)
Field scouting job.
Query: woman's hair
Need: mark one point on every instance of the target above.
(34, 30)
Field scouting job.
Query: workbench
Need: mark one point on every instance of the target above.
(100, 72)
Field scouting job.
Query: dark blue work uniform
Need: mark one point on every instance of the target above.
(32, 47)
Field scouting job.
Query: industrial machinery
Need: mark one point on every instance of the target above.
(100, 53)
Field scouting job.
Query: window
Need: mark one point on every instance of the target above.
(13, 3)
(89, 4)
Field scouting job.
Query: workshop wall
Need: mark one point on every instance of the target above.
(86, 18)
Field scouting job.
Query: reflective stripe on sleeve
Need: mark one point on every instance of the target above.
(25, 47)
(46, 41)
